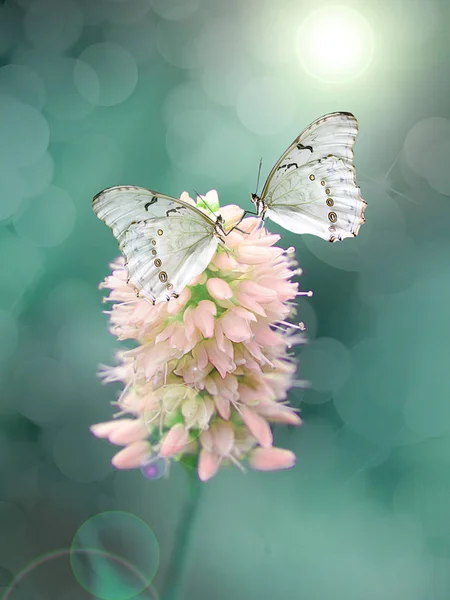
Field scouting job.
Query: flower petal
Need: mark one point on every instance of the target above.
(129, 432)
(219, 289)
(175, 441)
(271, 459)
(235, 328)
(208, 464)
(203, 317)
(257, 426)
(132, 456)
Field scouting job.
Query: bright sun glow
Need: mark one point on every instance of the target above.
(335, 44)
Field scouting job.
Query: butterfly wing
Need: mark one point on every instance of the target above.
(166, 242)
(312, 188)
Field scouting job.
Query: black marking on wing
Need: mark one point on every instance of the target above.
(152, 201)
(302, 147)
(175, 210)
(288, 166)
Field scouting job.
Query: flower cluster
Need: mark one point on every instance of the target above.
(212, 368)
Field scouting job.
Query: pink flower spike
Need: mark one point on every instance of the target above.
(175, 441)
(219, 289)
(271, 459)
(132, 456)
(214, 361)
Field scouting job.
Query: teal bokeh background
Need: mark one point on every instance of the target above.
(188, 94)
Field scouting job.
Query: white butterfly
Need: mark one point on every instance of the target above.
(312, 188)
(166, 242)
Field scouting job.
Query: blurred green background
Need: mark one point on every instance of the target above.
(189, 94)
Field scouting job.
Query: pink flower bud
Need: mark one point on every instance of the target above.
(271, 459)
(219, 289)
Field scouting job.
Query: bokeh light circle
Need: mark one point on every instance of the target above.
(335, 44)
(154, 467)
(138, 38)
(126, 11)
(121, 535)
(78, 455)
(211, 142)
(175, 10)
(25, 133)
(64, 100)
(23, 83)
(427, 409)
(12, 191)
(34, 400)
(420, 141)
(266, 105)
(53, 24)
(19, 273)
(116, 71)
(36, 178)
(377, 239)
(176, 42)
(425, 493)
(23, 584)
(226, 68)
(326, 363)
(89, 149)
(427, 150)
(48, 219)
(10, 27)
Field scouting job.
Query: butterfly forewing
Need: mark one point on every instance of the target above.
(166, 242)
(312, 188)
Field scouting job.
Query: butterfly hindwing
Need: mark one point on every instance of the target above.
(312, 188)
(318, 198)
(166, 242)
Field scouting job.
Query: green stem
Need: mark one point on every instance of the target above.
(177, 564)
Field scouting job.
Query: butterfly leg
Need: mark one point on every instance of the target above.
(246, 212)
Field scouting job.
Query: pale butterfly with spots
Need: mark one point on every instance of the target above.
(166, 242)
(311, 189)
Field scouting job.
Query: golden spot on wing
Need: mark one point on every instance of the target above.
(332, 216)
(330, 202)
(332, 228)
(153, 251)
(163, 276)
(154, 242)
(328, 191)
(159, 232)
(157, 262)
(169, 286)
(322, 182)
(312, 177)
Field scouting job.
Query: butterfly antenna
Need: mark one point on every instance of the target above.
(259, 173)
(203, 200)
